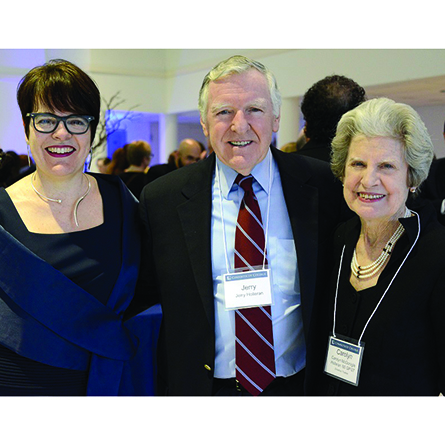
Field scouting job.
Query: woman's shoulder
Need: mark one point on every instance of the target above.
(109, 185)
(109, 182)
(102, 178)
(114, 191)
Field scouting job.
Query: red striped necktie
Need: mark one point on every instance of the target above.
(255, 359)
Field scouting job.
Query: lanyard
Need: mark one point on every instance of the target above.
(384, 293)
(218, 178)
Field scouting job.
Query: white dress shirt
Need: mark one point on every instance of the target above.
(289, 343)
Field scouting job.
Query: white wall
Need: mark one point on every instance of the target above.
(12, 136)
(434, 118)
(296, 70)
(14, 64)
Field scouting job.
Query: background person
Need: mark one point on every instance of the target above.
(102, 164)
(323, 105)
(188, 152)
(390, 276)
(62, 293)
(433, 189)
(119, 161)
(138, 156)
(9, 168)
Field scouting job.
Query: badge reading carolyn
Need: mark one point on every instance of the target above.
(247, 289)
(343, 360)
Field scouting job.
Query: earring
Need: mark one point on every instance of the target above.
(412, 189)
(91, 158)
(29, 157)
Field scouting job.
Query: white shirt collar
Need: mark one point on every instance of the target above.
(260, 172)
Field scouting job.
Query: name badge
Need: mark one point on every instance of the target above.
(247, 289)
(344, 360)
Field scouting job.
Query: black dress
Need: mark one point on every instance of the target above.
(405, 339)
(91, 259)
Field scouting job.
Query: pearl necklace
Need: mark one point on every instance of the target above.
(362, 272)
(59, 201)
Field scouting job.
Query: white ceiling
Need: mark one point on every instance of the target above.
(171, 62)
(165, 62)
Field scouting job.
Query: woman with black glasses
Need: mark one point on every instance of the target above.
(69, 244)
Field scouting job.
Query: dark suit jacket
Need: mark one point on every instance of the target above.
(159, 170)
(176, 211)
(315, 149)
(433, 189)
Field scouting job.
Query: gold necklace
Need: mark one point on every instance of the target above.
(59, 201)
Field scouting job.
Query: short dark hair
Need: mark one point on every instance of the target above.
(59, 85)
(325, 103)
(137, 151)
(106, 160)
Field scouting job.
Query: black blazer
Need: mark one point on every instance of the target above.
(176, 211)
(315, 149)
(433, 189)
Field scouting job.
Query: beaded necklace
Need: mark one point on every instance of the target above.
(362, 272)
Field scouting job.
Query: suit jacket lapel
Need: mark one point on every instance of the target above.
(195, 217)
(302, 204)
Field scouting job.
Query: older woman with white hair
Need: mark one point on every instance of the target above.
(387, 301)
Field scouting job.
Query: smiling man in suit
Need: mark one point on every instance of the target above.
(192, 226)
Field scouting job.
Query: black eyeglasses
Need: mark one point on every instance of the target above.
(48, 122)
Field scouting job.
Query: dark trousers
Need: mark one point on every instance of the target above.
(281, 386)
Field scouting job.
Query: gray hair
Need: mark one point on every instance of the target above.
(385, 118)
(236, 65)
